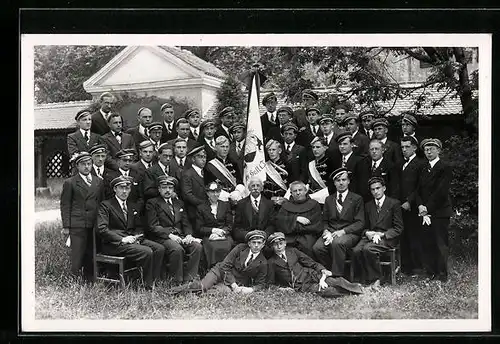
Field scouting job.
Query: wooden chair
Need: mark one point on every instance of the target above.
(391, 258)
(100, 259)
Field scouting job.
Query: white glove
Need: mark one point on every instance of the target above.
(426, 220)
(246, 290)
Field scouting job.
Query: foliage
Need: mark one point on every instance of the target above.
(60, 70)
(230, 94)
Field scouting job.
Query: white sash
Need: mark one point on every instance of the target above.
(223, 170)
(315, 174)
(320, 195)
(275, 176)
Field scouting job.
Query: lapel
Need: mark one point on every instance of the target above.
(244, 256)
(82, 184)
(198, 178)
(114, 141)
(118, 211)
(220, 211)
(164, 206)
(346, 204)
(372, 208)
(249, 209)
(80, 137)
(177, 212)
(262, 208)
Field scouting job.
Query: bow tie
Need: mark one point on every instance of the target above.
(118, 134)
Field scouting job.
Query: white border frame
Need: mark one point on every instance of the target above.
(28, 321)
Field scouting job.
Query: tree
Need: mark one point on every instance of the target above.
(230, 94)
(60, 70)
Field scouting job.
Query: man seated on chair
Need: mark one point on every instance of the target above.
(300, 219)
(119, 227)
(343, 221)
(384, 225)
(244, 270)
(295, 271)
(168, 225)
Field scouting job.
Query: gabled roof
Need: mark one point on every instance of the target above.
(195, 61)
(58, 115)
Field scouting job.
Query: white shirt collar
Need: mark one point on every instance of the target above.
(411, 158)
(377, 163)
(226, 129)
(344, 194)
(193, 128)
(210, 140)
(163, 167)
(255, 199)
(144, 163)
(84, 177)
(83, 132)
(120, 202)
(329, 137)
(197, 169)
(168, 200)
(167, 125)
(354, 134)
(185, 139)
(433, 162)
(384, 140)
(347, 156)
(104, 114)
(97, 168)
(179, 160)
(381, 201)
(290, 145)
(124, 173)
(271, 115)
(142, 130)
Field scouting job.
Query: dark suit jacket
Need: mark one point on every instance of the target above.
(137, 136)
(113, 146)
(161, 222)
(434, 189)
(354, 165)
(267, 125)
(238, 158)
(305, 136)
(408, 181)
(352, 217)
(243, 221)
(299, 118)
(389, 220)
(393, 152)
(149, 181)
(168, 135)
(275, 134)
(386, 170)
(192, 191)
(299, 272)
(105, 173)
(361, 144)
(139, 168)
(99, 124)
(175, 170)
(295, 154)
(112, 225)
(136, 194)
(233, 268)
(79, 202)
(205, 220)
(211, 153)
(221, 132)
(76, 142)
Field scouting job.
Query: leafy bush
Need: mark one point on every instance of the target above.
(230, 94)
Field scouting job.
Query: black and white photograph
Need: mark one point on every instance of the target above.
(305, 183)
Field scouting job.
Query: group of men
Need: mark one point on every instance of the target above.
(161, 193)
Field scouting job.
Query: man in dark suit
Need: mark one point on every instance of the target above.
(253, 212)
(343, 221)
(120, 230)
(377, 165)
(226, 117)
(80, 197)
(384, 225)
(285, 115)
(99, 155)
(180, 162)
(293, 152)
(294, 270)
(100, 117)
(116, 140)
(411, 239)
(160, 168)
(311, 130)
(168, 126)
(309, 99)
(207, 139)
(140, 133)
(194, 118)
(360, 140)
(192, 183)
(155, 130)
(244, 270)
(146, 155)
(392, 150)
(269, 118)
(327, 128)
(434, 206)
(366, 118)
(349, 160)
(125, 157)
(82, 139)
(300, 219)
(408, 128)
(168, 225)
(182, 128)
(237, 146)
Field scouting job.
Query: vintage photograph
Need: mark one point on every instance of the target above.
(282, 181)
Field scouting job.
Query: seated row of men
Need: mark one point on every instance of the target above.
(326, 235)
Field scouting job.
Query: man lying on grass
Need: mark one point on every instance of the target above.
(293, 270)
(244, 269)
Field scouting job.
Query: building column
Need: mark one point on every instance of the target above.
(40, 172)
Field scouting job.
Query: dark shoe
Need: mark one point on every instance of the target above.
(330, 293)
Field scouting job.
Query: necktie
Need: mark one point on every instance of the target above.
(169, 127)
(288, 148)
(149, 165)
(212, 143)
(340, 199)
(343, 160)
(238, 147)
(89, 179)
(87, 138)
(124, 209)
(249, 259)
(406, 163)
(283, 256)
(119, 137)
(429, 167)
(256, 204)
(196, 133)
(374, 166)
(378, 205)
(181, 163)
(99, 173)
(170, 207)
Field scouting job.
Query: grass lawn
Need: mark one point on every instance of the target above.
(51, 202)
(59, 298)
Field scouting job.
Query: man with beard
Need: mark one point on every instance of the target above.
(244, 270)
(140, 133)
(116, 140)
(207, 128)
(269, 118)
(343, 221)
(100, 117)
(300, 219)
(293, 270)
(168, 126)
(193, 184)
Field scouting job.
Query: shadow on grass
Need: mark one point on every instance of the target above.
(59, 297)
